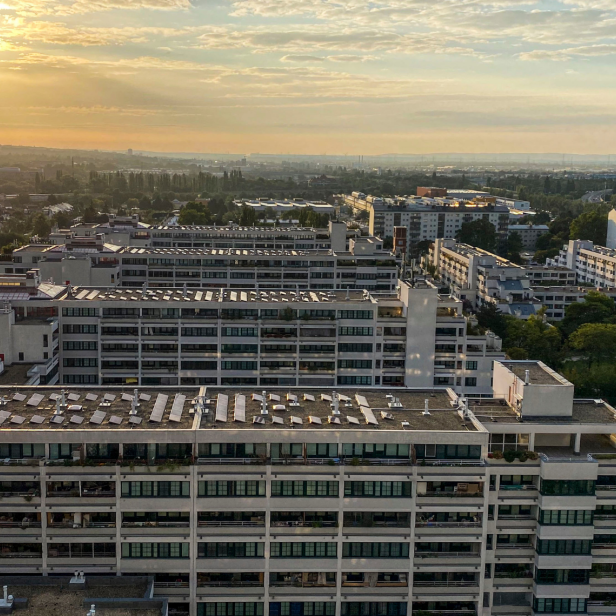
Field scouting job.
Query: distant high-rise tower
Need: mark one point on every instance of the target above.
(610, 242)
(129, 151)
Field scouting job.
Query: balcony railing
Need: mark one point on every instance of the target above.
(154, 524)
(447, 583)
(230, 583)
(306, 524)
(230, 523)
(171, 585)
(20, 555)
(231, 460)
(6, 524)
(448, 524)
(451, 494)
(447, 554)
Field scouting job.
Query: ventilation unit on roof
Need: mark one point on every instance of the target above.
(405, 425)
(426, 411)
(395, 403)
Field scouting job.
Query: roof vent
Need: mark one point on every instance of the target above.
(527, 377)
(264, 403)
(426, 411)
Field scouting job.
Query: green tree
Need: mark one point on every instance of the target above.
(514, 247)
(597, 341)
(596, 308)
(195, 214)
(590, 226)
(248, 216)
(41, 226)
(479, 233)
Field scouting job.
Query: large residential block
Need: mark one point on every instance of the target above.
(318, 502)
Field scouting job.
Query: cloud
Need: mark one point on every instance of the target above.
(312, 59)
(298, 58)
(70, 7)
(298, 40)
(53, 33)
(562, 55)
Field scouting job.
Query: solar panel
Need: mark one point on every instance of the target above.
(109, 397)
(291, 397)
(239, 413)
(257, 397)
(76, 419)
(279, 407)
(369, 415)
(343, 398)
(159, 408)
(37, 419)
(127, 397)
(314, 420)
(114, 419)
(177, 407)
(258, 419)
(296, 420)
(91, 397)
(4, 414)
(74, 397)
(277, 420)
(77, 408)
(145, 397)
(352, 420)
(19, 397)
(18, 419)
(275, 397)
(326, 398)
(54, 397)
(221, 407)
(361, 400)
(134, 420)
(309, 397)
(97, 417)
(333, 420)
(198, 295)
(58, 419)
(386, 415)
(35, 400)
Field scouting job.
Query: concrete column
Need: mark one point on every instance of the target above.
(578, 442)
(531, 441)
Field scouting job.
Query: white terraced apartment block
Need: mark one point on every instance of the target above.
(314, 502)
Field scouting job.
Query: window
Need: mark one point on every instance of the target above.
(375, 450)
(155, 550)
(304, 488)
(357, 364)
(80, 329)
(199, 332)
(79, 312)
(355, 347)
(565, 517)
(559, 606)
(562, 576)
(80, 345)
(356, 331)
(238, 365)
(471, 365)
(306, 608)
(354, 380)
(580, 487)
(239, 331)
(563, 546)
(163, 489)
(355, 314)
(470, 381)
(448, 452)
(375, 550)
(230, 550)
(378, 489)
(217, 608)
(369, 608)
(80, 362)
(309, 549)
(231, 488)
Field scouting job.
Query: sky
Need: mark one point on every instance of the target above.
(310, 76)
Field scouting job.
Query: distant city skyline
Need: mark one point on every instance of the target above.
(310, 77)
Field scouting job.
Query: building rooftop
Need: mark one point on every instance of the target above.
(219, 295)
(589, 412)
(247, 252)
(538, 375)
(56, 599)
(34, 408)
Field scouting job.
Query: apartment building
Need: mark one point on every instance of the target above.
(479, 277)
(364, 266)
(529, 234)
(595, 265)
(131, 232)
(30, 344)
(275, 207)
(556, 299)
(427, 219)
(85, 261)
(315, 502)
(266, 337)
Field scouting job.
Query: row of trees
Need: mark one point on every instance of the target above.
(582, 346)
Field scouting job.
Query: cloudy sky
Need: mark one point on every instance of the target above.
(310, 76)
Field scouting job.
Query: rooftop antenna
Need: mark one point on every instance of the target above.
(264, 403)
(347, 294)
(426, 404)
(63, 394)
(185, 290)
